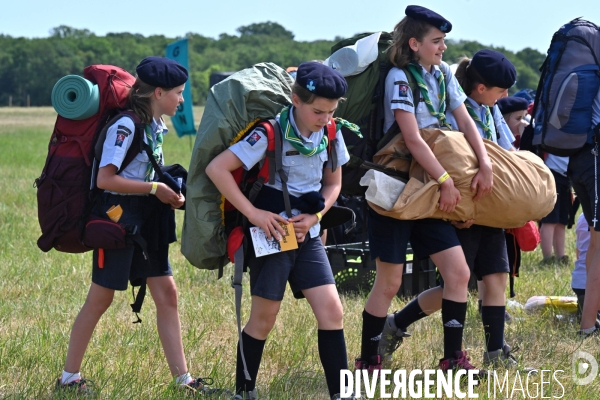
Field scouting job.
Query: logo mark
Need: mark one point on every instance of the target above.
(585, 368)
(311, 86)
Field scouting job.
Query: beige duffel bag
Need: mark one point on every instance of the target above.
(524, 188)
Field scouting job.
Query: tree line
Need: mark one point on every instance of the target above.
(31, 67)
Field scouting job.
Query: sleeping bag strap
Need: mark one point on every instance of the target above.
(135, 235)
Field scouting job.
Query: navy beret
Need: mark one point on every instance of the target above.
(431, 17)
(511, 103)
(494, 68)
(321, 80)
(161, 72)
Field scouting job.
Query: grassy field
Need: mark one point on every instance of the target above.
(41, 293)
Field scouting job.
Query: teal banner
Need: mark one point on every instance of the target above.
(183, 121)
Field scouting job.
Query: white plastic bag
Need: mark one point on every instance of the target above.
(383, 190)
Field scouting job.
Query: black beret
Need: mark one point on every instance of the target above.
(431, 17)
(321, 80)
(511, 103)
(161, 72)
(494, 68)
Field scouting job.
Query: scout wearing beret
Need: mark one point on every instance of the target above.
(147, 204)
(485, 78)
(417, 51)
(310, 174)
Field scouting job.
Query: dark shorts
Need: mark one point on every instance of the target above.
(304, 268)
(485, 250)
(122, 266)
(562, 208)
(389, 237)
(585, 181)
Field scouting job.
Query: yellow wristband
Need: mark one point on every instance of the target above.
(154, 187)
(319, 215)
(443, 178)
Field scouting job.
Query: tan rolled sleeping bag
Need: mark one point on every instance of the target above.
(524, 188)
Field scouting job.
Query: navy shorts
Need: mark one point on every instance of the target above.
(585, 181)
(485, 250)
(562, 208)
(122, 266)
(389, 237)
(304, 268)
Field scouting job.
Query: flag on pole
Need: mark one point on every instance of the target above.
(183, 121)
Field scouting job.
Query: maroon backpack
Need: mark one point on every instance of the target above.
(65, 189)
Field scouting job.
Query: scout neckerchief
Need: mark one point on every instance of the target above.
(488, 117)
(156, 146)
(440, 114)
(290, 134)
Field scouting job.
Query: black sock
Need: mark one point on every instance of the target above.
(493, 326)
(332, 352)
(371, 331)
(410, 314)
(453, 318)
(253, 350)
(479, 305)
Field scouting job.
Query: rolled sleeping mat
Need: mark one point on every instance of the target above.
(74, 97)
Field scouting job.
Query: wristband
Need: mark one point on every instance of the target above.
(443, 178)
(319, 215)
(154, 187)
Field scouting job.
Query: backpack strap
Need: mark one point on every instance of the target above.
(331, 130)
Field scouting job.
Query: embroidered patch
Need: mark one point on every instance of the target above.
(292, 153)
(124, 130)
(403, 90)
(120, 138)
(252, 139)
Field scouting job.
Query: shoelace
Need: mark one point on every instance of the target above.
(463, 362)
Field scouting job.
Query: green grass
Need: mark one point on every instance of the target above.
(41, 293)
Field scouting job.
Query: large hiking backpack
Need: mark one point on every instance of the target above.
(65, 188)
(569, 83)
(364, 107)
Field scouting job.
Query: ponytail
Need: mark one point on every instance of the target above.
(140, 101)
(468, 77)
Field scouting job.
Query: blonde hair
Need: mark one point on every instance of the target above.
(400, 52)
(140, 97)
(468, 77)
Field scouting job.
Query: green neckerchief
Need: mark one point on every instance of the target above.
(440, 114)
(290, 134)
(155, 149)
(485, 125)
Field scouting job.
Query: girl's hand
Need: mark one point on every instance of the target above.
(302, 224)
(449, 196)
(180, 202)
(464, 224)
(268, 222)
(482, 182)
(166, 195)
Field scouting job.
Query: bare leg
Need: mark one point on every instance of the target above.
(547, 236)
(387, 283)
(97, 302)
(164, 294)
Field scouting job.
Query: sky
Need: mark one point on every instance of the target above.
(512, 24)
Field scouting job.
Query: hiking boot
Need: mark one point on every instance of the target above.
(503, 358)
(374, 363)
(200, 386)
(461, 362)
(507, 317)
(251, 395)
(391, 338)
(80, 387)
